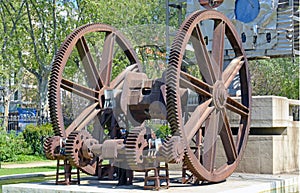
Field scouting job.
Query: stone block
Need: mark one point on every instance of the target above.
(266, 112)
(266, 148)
(276, 146)
(251, 165)
(266, 165)
(270, 155)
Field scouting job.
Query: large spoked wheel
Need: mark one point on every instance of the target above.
(88, 68)
(198, 100)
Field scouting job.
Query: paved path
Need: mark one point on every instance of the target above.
(237, 183)
(29, 165)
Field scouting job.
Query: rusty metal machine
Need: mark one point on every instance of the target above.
(101, 102)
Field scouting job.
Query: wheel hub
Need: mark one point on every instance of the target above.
(220, 95)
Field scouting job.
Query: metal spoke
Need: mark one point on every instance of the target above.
(79, 90)
(83, 119)
(98, 131)
(199, 139)
(241, 134)
(217, 53)
(89, 118)
(107, 58)
(197, 119)
(188, 81)
(232, 70)
(128, 50)
(214, 125)
(202, 56)
(227, 139)
(92, 74)
(236, 107)
(200, 125)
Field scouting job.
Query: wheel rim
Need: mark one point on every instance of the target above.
(99, 73)
(209, 119)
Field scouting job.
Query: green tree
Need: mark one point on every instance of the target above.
(121, 13)
(11, 71)
(33, 30)
(45, 24)
(278, 76)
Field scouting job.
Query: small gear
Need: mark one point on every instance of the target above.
(174, 149)
(78, 153)
(137, 147)
(52, 148)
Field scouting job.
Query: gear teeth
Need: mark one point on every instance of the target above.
(177, 51)
(59, 62)
(72, 148)
(51, 148)
(132, 148)
(172, 77)
(170, 149)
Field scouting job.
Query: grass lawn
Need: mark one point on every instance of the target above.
(19, 159)
(10, 171)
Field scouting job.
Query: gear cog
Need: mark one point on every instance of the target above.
(174, 149)
(52, 148)
(78, 152)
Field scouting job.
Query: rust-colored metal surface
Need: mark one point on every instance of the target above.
(136, 148)
(97, 74)
(52, 148)
(98, 79)
(79, 156)
(209, 4)
(210, 119)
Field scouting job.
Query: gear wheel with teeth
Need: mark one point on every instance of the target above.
(79, 41)
(78, 156)
(206, 72)
(137, 147)
(209, 120)
(173, 150)
(52, 148)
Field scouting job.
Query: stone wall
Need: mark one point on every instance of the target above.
(274, 141)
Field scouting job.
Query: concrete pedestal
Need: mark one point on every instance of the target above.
(274, 141)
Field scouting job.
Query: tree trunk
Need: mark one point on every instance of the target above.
(6, 111)
(43, 99)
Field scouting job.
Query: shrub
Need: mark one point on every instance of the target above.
(163, 132)
(35, 136)
(11, 146)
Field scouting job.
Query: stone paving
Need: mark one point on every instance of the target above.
(237, 183)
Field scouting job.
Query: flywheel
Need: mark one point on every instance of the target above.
(207, 62)
(84, 67)
(88, 70)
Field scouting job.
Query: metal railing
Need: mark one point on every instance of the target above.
(19, 123)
